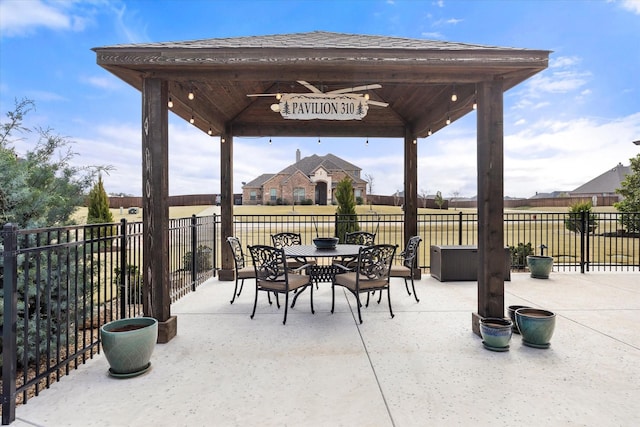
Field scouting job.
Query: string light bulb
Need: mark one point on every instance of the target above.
(429, 132)
(278, 96)
(366, 96)
(191, 95)
(269, 141)
(170, 103)
(454, 97)
(318, 141)
(210, 132)
(192, 120)
(448, 122)
(415, 141)
(222, 140)
(475, 105)
(366, 142)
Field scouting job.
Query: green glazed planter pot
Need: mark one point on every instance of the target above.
(128, 345)
(536, 326)
(496, 333)
(540, 266)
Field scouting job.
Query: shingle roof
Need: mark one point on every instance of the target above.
(330, 162)
(315, 40)
(259, 180)
(605, 183)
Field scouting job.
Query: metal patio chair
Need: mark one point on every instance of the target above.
(371, 274)
(242, 270)
(409, 262)
(363, 238)
(272, 275)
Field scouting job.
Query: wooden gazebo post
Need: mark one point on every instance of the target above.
(155, 212)
(490, 202)
(226, 203)
(410, 184)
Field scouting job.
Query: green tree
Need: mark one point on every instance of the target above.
(439, 200)
(630, 205)
(98, 204)
(347, 219)
(38, 188)
(574, 220)
(41, 188)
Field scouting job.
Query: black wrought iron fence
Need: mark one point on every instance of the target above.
(59, 285)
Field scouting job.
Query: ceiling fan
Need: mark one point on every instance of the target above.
(314, 89)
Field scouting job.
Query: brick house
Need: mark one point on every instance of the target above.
(311, 178)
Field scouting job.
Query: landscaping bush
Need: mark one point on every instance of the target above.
(574, 221)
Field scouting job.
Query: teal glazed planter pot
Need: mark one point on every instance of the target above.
(128, 345)
(540, 266)
(512, 315)
(496, 333)
(536, 326)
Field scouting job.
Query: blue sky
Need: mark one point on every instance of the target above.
(563, 127)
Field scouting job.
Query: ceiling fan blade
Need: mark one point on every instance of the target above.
(378, 103)
(357, 88)
(309, 86)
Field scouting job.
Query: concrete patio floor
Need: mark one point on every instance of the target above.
(425, 367)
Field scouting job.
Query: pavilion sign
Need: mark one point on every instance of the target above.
(326, 106)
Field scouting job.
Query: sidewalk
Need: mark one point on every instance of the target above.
(424, 367)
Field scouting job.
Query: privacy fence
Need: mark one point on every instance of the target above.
(59, 285)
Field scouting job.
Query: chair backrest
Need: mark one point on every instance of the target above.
(410, 253)
(236, 249)
(281, 240)
(374, 262)
(360, 238)
(269, 263)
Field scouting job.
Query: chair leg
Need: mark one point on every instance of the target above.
(333, 296)
(255, 302)
(241, 286)
(234, 292)
(357, 294)
(406, 285)
(312, 310)
(389, 298)
(286, 306)
(415, 295)
(269, 298)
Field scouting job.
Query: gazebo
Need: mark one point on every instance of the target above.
(319, 84)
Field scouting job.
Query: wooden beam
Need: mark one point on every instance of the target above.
(410, 185)
(226, 203)
(490, 202)
(155, 212)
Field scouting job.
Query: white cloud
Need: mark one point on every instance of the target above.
(21, 18)
(631, 5)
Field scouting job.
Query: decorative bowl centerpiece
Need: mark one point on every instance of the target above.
(325, 242)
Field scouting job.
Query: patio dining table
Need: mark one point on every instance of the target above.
(321, 271)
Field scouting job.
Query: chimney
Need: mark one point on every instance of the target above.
(297, 155)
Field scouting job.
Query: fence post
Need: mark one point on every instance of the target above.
(10, 323)
(214, 244)
(194, 255)
(124, 269)
(583, 225)
(460, 228)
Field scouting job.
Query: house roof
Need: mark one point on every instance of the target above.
(417, 78)
(608, 182)
(259, 181)
(308, 165)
